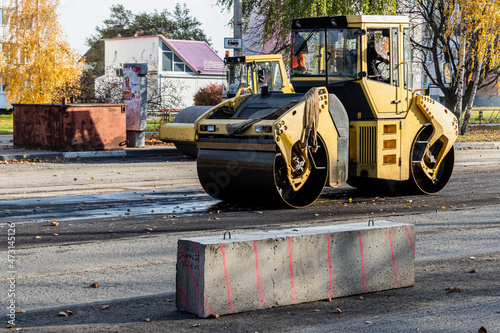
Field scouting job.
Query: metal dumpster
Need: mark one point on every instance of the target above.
(70, 127)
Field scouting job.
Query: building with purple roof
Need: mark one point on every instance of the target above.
(174, 66)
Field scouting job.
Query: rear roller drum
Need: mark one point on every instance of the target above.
(259, 177)
(189, 116)
(418, 177)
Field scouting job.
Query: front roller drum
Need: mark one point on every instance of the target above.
(418, 177)
(249, 177)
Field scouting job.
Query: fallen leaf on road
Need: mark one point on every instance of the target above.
(38, 237)
(147, 320)
(338, 310)
(196, 325)
(149, 229)
(20, 311)
(474, 270)
(62, 314)
(104, 307)
(95, 285)
(482, 330)
(453, 289)
(55, 224)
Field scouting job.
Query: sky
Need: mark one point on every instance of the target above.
(79, 18)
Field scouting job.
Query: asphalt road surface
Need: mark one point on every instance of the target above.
(116, 222)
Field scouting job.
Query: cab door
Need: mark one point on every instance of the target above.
(383, 82)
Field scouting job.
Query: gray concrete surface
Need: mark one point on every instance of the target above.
(222, 275)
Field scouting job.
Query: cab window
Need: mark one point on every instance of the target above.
(377, 53)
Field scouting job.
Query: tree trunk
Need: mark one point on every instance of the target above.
(461, 79)
(465, 124)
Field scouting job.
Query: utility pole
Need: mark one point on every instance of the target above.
(237, 30)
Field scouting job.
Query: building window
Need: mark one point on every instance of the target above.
(171, 62)
(2, 16)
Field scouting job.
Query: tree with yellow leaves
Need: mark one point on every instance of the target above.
(476, 25)
(36, 62)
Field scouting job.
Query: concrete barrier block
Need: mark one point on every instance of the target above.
(281, 267)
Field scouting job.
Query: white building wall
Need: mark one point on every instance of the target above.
(140, 50)
(191, 83)
(3, 27)
(148, 50)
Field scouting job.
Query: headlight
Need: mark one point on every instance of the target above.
(207, 128)
(263, 129)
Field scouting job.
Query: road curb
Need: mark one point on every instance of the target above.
(152, 151)
(134, 153)
(477, 145)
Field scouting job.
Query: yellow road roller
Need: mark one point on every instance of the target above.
(354, 118)
(244, 75)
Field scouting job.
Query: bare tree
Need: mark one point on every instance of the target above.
(433, 48)
(164, 95)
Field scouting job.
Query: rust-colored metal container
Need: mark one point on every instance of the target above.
(70, 127)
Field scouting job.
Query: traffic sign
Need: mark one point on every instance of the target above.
(233, 43)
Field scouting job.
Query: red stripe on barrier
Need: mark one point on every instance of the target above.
(227, 280)
(183, 295)
(393, 261)
(259, 284)
(411, 241)
(194, 281)
(362, 262)
(291, 269)
(329, 268)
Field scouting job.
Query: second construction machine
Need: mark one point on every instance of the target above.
(353, 118)
(244, 75)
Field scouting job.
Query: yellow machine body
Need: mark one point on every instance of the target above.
(354, 118)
